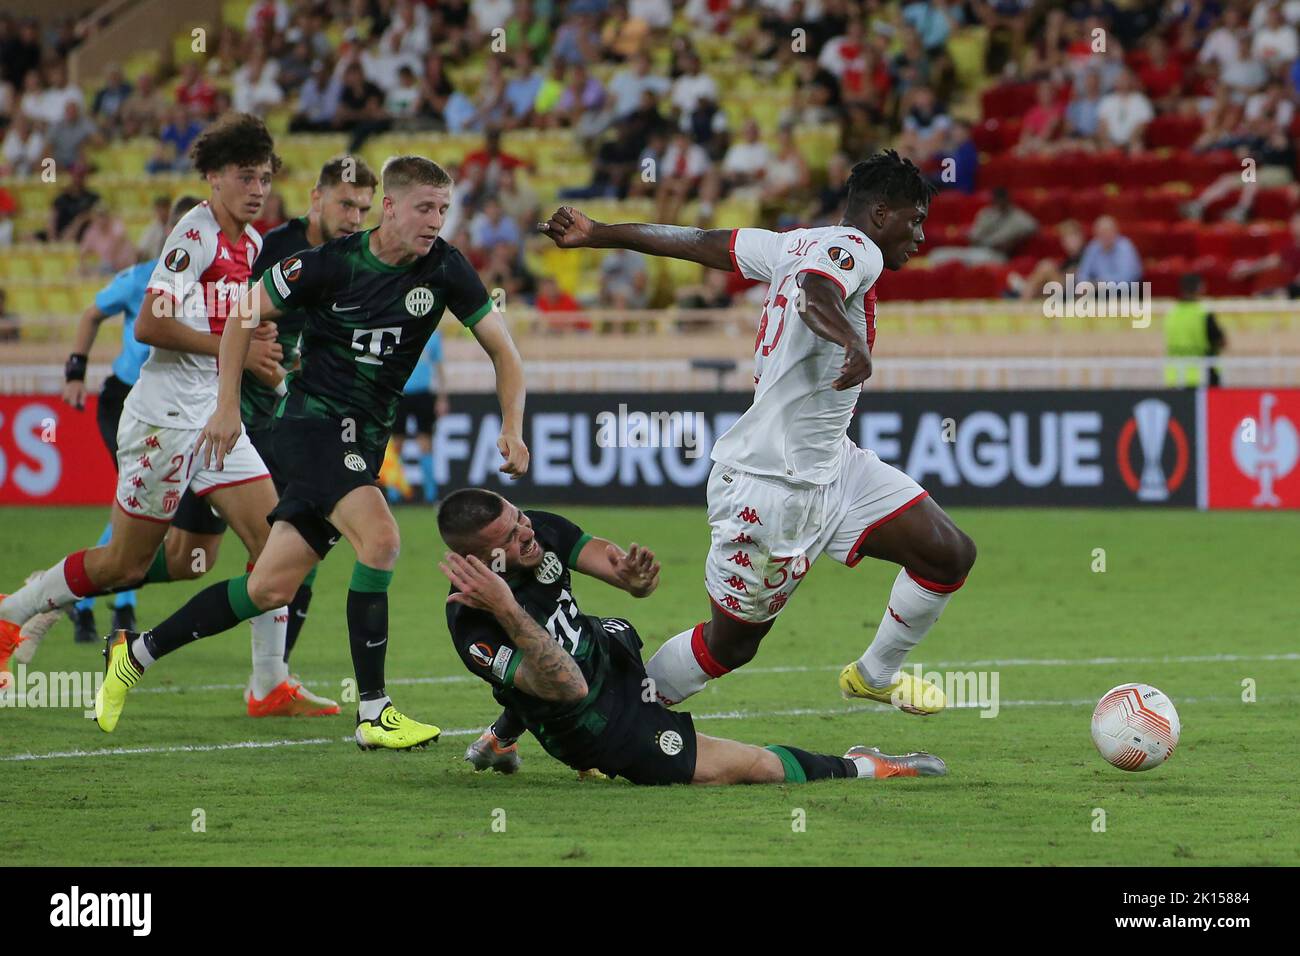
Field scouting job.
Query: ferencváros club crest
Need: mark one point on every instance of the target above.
(419, 301)
(549, 571)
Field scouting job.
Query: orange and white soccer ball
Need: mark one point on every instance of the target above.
(1135, 727)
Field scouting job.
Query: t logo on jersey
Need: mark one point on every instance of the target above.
(373, 343)
(840, 258)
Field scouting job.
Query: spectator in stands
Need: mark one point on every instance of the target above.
(382, 61)
(1109, 257)
(403, 101)
(580, 104)
(503, 270)
(173, 149)
(155, 234)
(686, 170)
(925, 126)
(71, 208)
(294, 67)
(144, 109)
(1162, 77)
(20, 53)
(70, 135)
(1246, 74)
(527, 32)
(318, 101)
(112, 96)
(709, 293)
(104, 247)
(195, 92)
(623, 34)
(691, 85)
(57, 94)
(998, 230)
(624, 280)
(487, 162)
(273, 213)
(549, 92)
(933, 21)
(265, 17)
(521, 89)
(1222, 117)
(552, 299)
(816, 96)
(965, 155)
(656, 14)
(489, 15)
(492, 226)
(629, 82)
(520, 202)
(1050, 268)
(911, 68)
(8, 321)
(254, 87)
(1042, 124)
(746, 162)
(1123, 115)
(788, 174)
(23, 149)
(1281, 268)
(8, 209)
(1276, 42)
(577, 41)
(828, 208)
(361, 108)
(1222, 47)
(845, 58)
(1007, 22)
(436, 88)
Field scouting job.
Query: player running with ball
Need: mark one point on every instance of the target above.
(371, 300)
(576, 681)
(787, 484)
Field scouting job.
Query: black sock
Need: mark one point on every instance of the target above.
(368, 628)
(802, 766)
(213, 610)
(297, 618)
(508, 728)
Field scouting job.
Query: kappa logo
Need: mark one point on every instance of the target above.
(354, 462)
(419, 301)
(192, 235)
(551, 568)
(840, 258)
(223, 253)
(481, 654)
(670, 742)
(178, 260)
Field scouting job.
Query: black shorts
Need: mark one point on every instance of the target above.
(416, 414)
(193, 514)
(646, 743)
(318, 469)
(261, 439)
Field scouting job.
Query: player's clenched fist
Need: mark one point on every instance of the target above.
(568, 227)
(515, 453)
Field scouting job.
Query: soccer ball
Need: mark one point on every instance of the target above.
(1135, 727)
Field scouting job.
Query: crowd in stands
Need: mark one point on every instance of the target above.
(1115, 84)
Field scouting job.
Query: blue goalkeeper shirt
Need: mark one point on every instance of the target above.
(124, 294)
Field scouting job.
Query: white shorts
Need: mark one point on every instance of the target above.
(766, 532)
(156, 466)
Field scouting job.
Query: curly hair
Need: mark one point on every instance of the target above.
(889, 178)
(238, 139)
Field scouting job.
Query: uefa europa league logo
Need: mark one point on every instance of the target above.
(1152, 417)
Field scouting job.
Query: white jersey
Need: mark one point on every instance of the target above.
(202, 273)
(797, 426)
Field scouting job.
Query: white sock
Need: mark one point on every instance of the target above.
(48, 591)
(677, 670)
(371, 709)
(911, 613)
(866, 768)
(141, 653)
(269, 668)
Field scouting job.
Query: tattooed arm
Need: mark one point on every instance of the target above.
(546, 670)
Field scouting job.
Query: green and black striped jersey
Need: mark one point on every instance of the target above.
(257, 401)
(366, 323)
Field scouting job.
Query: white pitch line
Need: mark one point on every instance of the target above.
(474, 731)
(821, 668)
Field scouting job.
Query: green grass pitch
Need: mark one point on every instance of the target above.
(1195, 604)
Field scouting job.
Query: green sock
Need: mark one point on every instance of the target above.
(157, 572)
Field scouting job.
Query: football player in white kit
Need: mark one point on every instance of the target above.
(207, 261)
(787, 484)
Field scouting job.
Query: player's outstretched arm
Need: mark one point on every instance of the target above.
(546, 670)
(570, 228)
(248, 322)
(635, 570)
(494, 337)
(825, 315)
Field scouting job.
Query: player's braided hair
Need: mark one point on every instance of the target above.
(239, 139)
(889, 178)
(466, 512)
